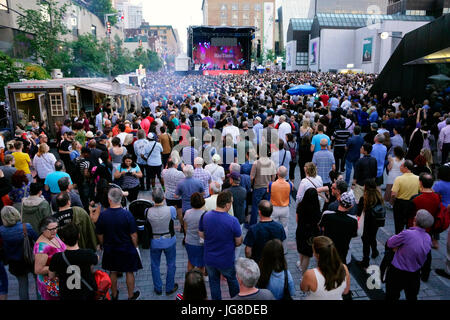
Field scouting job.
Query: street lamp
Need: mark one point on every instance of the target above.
(385, 35)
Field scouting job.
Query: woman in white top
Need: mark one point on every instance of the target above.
(44, 161)
(330, 280)
(312, 180)
(394, 171)
(217, 172)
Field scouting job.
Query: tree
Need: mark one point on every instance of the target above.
(155, 62)
(89, 57)
(12, 70)
(46, 27)
(102, 7)
(270, 55)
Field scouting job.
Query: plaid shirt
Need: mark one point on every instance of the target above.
(205, 177)
(171, 178)
(324, 161)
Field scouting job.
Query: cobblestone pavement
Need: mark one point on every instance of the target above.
(437, 288)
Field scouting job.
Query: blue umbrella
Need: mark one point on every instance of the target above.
(301, 90)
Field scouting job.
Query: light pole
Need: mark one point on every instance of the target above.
(108, 34)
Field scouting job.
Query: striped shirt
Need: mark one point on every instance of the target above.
(205, 177)
(324, 161)
(341, 137)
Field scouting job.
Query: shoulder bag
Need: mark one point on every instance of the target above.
(145, 158)
(286, 293)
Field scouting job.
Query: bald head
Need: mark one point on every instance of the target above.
(323, 143)
(282, 172)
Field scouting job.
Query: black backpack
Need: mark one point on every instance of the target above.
(379, 212)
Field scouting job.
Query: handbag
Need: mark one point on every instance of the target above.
(286, 293)
(361, 224)
(28, 244)
(52, 286)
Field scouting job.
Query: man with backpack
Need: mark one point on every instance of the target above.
(73, 267)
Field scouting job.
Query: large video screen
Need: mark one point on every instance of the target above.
(218, 57)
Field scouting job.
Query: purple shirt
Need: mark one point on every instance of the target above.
(414, 245)
(210, 120)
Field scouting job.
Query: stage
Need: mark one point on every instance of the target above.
(220, 50)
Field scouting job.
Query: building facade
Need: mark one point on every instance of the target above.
(78, 20)
(419, 7)
(260, 14)
(132, 14)
(306, 9)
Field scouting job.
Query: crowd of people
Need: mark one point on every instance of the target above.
(219, 156)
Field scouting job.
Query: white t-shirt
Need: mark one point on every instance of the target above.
(283, 130)
(122, 136)
(234, 131)
(217, 172)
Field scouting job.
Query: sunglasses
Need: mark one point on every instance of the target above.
(53, 229)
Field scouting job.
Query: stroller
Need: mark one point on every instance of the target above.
(138, 209)
(124, 198)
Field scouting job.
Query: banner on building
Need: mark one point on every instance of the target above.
(314, 51)
(367, 49)
(268, 26)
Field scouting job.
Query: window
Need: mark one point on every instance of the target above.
(56, 104)
(416, 13)
(94, 30)
(234, 7)
(223, 21)
(234, 22)
(73, 106)
(302, 58)
(246, 6)
(223, 14)
(446, 10)
(258, 7)
(245, 16)
(4, 5)
(234, 16)
(223, 7)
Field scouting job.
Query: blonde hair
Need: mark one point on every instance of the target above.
(43, 148)
(128, 139)
(426, 153)
(306, 124)
(311, 169)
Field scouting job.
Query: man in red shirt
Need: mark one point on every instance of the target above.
(430, 201)
(324, 98)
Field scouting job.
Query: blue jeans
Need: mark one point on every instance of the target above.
(3, 280)
(214, 281)
(349, 165)
(258, 195)
(155, 259)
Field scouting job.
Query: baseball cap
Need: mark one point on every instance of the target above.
(151, 136)
(89, 134)
(103, 137)
(198, 160)
(347, 200)
(234, 175)
(258, 119)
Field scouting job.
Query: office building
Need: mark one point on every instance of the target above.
(434, 8)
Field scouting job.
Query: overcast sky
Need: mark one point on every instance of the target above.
(178, 13)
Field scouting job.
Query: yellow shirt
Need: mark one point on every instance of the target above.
(22, 161)
(406, 186)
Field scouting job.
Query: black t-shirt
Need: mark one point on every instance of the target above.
(64, 217)
(65, 145)
(341, 228)
(68, 286)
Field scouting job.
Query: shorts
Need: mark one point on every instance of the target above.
(154, 171)
(174, 203)
(195, 255)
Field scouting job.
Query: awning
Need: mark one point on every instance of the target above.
(110, 88)
(441, 56)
